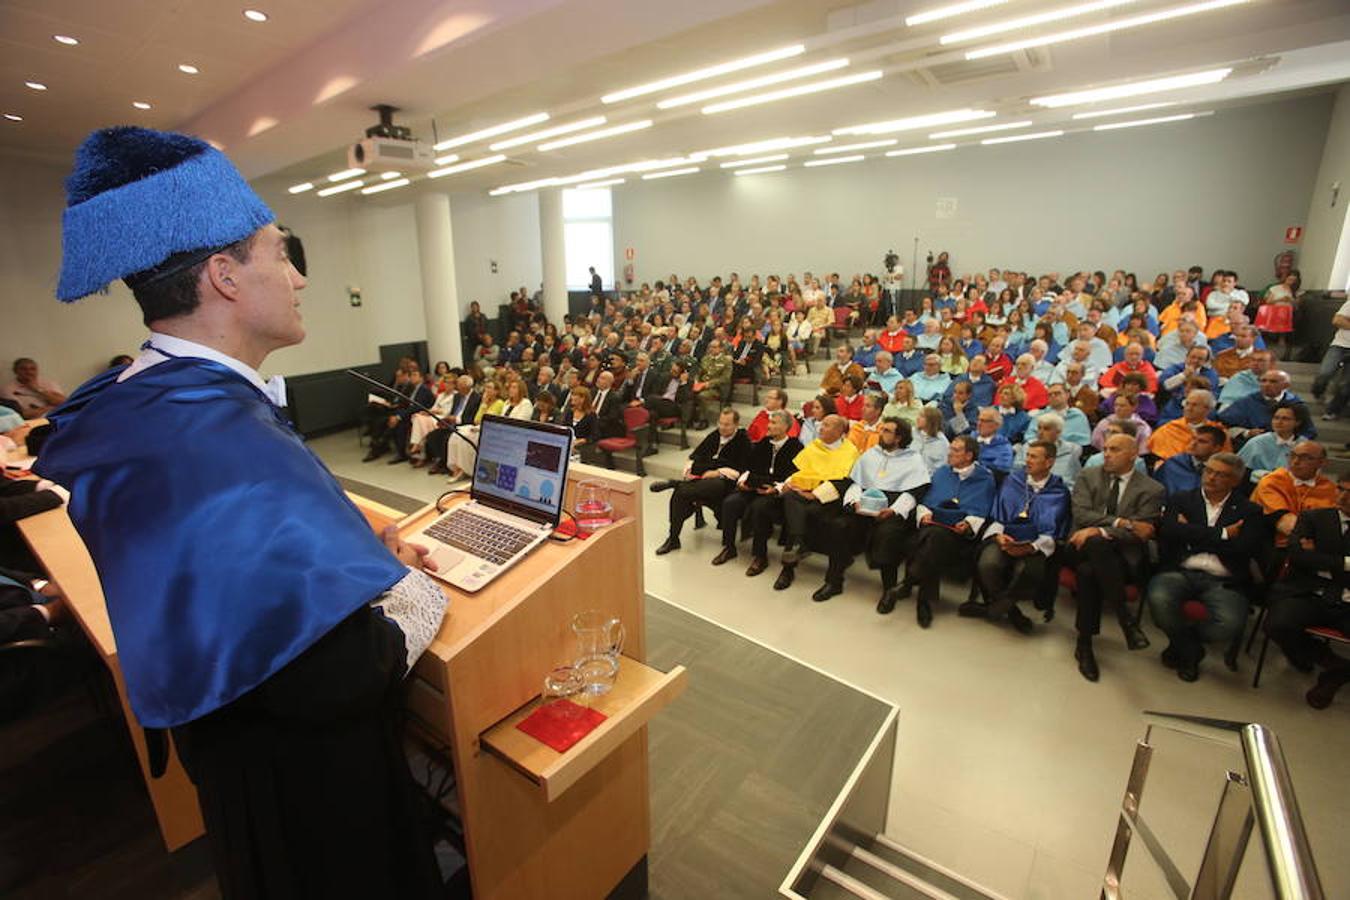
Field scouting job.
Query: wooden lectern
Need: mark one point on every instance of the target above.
(537, 823)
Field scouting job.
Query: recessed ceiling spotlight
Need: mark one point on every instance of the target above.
(36, 85)
(187, 69)
(13, 118)
(65, 39)
(255, 15)
(140, 104)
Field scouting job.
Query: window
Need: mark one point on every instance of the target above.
(588, 235)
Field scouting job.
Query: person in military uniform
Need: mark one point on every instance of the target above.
(714, 379)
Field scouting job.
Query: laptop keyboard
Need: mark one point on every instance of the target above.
(481, 536)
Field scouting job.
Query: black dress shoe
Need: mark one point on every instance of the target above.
(1135, 638)
(887, 602)
(924, 614)
(1189, 670)
(437, 469)
(651, 451)
(973, 609)
(401, 458)
(726, 556)
(784, 579)
(757, 566)
(372, 456)
(1087, 662)
(657, 487)
(671, 543)
(1019, 621)
(826, 591)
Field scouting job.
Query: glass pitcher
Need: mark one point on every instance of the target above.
(600, 639)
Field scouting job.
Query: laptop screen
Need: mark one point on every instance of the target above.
(522, 466)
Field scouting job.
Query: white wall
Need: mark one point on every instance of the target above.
(1327, 223)
(1216, 191)
(505, 229)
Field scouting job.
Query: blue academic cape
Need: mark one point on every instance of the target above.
(997, 454)
(950, 499)
(224, 546)
(1026, 515)
(1178, 474)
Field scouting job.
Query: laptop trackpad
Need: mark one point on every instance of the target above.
(446, 558)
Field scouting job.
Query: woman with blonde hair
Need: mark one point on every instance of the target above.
(954, 360)
(904, 404)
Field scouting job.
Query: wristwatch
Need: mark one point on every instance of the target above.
(38, 584)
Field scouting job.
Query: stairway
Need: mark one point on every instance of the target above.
(881, 869)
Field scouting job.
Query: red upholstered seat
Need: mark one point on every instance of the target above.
(613, 445)
(1194, 611)
(635, 419)
(841, 314)
(1330, 634)
(1068, 579)
(668, 422)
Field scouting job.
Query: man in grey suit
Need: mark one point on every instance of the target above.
(1116, 511)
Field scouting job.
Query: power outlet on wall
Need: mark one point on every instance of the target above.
(492, 265)
(353, 295)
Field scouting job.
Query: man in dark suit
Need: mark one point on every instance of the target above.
(642, 382)
(712, 472)
(608, 407)
(1208, 537)
(19, 500)
(1313, 595)
(32, 610)
(745, 359)
(1115, 514)
(597, 285)
(463, 409)
(770, 462)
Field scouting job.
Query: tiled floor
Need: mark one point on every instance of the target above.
(1010, 766)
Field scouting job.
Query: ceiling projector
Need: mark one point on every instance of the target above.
(389, 148)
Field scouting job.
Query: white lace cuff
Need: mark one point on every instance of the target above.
(416, 606)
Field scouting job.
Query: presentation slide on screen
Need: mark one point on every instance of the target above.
(522, 465)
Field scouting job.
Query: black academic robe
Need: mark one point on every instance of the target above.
(303, 782)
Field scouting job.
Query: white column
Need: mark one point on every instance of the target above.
(553, 249)
(440, 296)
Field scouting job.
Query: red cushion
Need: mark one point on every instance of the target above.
(1068, 579)
(841, 315)
(1330, 634)
(615, 444)
(669, 420)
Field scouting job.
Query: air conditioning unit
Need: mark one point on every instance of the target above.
(379, 154)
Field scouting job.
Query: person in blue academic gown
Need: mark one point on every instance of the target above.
(950, 519)
(258, 618)
(1029, 516)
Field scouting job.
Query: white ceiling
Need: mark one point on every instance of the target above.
(286, 97)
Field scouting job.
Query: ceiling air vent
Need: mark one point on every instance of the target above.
(964, 71)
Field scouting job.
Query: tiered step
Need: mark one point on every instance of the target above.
(885, 870)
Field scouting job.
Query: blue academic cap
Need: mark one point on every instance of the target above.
(138, 197)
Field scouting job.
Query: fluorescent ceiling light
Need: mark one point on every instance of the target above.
(300, 188)
(390, 176)
(759, 170)
(1134, 123)
(671, 173)
(951, 117)
(522, 186)
(612, 131)
(187, 69)
(1133, 89)
(768, 145)
(755, 161)
(255, 15)
(1054, 15)
(913, 151)
(801, 90)
(1074, 34)
(65, 39)
(556, 130)
(140, 104)
(13, 118)
(447, 159)
(648, 165)
(35, 85)
(340, 188)
(385, 186)
(1022, 137)
(1121, 110)
(735, 65)
(833, 161)
(982, 129)
(752, 83)
(866, 145)
(466, 166)
(947, 12)
(610, 182)
(345, 174)
(493, 131)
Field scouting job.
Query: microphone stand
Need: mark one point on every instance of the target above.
(421, 407)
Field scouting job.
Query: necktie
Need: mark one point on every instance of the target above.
(1113, 498)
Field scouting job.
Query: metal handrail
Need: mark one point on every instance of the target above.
(1293, 872)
